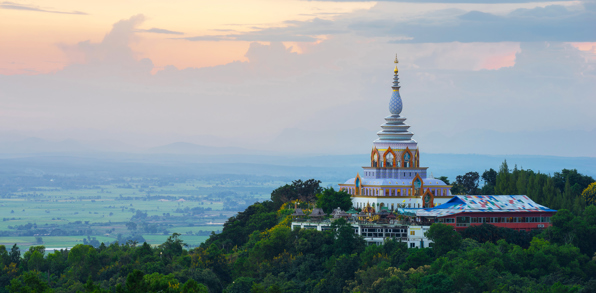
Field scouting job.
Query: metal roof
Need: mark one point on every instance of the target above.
(484, 203)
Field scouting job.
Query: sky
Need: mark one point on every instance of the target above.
(306, 77)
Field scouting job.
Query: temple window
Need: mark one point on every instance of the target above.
(389, 160)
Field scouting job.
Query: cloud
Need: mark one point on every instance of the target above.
(111, 57)
(294, 31)
(160, 31)
(553, 23)
(17, 6)
(331, 98)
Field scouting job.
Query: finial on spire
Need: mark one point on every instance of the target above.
(395, 105)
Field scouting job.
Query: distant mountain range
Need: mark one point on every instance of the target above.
(39, 156)
(185, 148)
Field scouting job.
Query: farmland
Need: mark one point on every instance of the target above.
(59, 214)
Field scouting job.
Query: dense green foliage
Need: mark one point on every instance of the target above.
(330, 199)
(305, 191)
(259, 252)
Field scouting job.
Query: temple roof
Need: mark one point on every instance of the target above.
(317, 212)
(484, 203)
(394, 128)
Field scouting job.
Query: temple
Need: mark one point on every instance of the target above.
(394, 198)
(395, 178)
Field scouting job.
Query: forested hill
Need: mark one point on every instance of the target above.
(258, 252)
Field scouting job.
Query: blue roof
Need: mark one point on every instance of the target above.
(484, 203)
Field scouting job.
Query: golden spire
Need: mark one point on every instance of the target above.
(395, 70)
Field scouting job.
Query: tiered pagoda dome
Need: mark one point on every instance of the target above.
(395, 177)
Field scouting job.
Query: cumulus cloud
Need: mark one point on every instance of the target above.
(18, 6)
(111, 57)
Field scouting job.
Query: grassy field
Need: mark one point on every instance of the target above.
(106, 208)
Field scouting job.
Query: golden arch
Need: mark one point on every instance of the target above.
(417, 191)
(375, 155)
(428, 199)
(403, 160)
(357, 184)
(389, 151)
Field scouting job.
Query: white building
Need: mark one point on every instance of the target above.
(394, 177)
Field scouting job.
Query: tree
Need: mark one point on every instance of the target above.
(191, 286)
(437, 283)
(330, 199)
(240, 285)
(302, 190)
(503, 177)
(589, 194)
(346, 241)
(4, 257)
(467, 184)
(36, 261)
(135, 282)
(574, 177)
(173, 246)
(444, 238)
(444, 179)
(83, 261)
(29, 282)
(490, 181)
(490, 177)
(15, 254)
(522, 183)
(132, 226)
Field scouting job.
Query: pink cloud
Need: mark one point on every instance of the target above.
(500, 60)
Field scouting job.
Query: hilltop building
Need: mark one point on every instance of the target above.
(398, 200)
(395, 178)
(517, 212)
